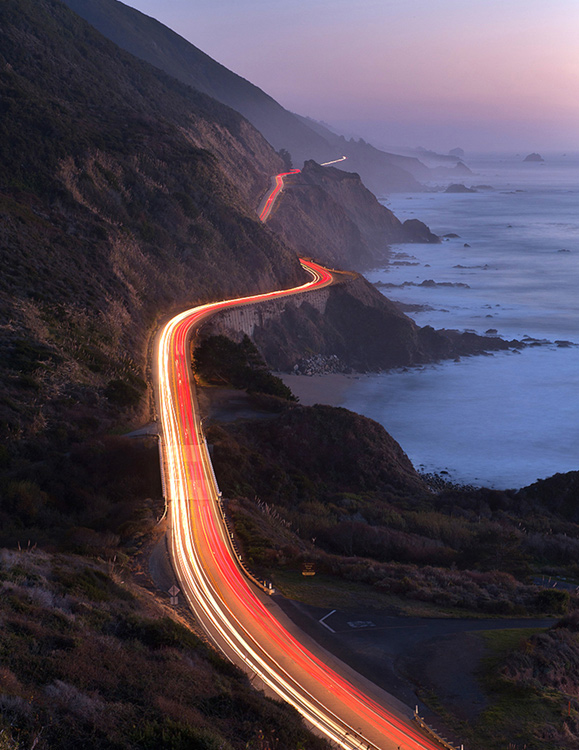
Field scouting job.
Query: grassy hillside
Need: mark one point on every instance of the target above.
(90, 660)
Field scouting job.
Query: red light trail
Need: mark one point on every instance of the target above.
(274, 192)
(243, 622)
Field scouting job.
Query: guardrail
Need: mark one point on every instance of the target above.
(264, 585)
(163, 480)
(434, 734)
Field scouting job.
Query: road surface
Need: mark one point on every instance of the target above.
(268, 201)
(242, 621)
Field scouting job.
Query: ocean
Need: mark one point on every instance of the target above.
(507, 419)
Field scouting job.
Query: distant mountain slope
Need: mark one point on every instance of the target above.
(404, 172)
(149, 40)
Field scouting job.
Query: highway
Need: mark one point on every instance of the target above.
(242, 621)
(268, 202)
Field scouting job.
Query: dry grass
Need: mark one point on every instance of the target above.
(88, 661)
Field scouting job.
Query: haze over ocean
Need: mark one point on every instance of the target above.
(508, 419)
(484, 74)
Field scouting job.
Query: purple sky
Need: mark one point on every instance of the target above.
(480, 74)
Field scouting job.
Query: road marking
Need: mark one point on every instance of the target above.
(325, 617)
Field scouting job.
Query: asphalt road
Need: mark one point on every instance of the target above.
(407, 655)
(245, 623)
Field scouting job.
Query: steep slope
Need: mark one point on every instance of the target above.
(123, 193)
(90, 660)
(149, 40)
(382, 171)
(330, 214)
(364, 329)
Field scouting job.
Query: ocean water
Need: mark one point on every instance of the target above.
(507, 419)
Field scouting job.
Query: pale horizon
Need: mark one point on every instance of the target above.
(500, 75)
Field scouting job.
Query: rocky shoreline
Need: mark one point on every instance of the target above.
(320, 364)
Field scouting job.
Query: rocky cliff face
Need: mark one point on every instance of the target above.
(329, 214)
(350, 321)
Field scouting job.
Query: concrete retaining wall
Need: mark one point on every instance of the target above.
(236, 321)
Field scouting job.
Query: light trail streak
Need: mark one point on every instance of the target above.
(271, 196)
(336, 161)
(274, 192)
(237, 620)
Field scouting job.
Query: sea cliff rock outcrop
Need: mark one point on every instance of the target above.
(459, 188)
(330, 214)
(351, 321)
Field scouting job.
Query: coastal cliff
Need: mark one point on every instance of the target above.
(351, 321)
(330, 214)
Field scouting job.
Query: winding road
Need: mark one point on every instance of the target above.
(242, 621)
(267, 203)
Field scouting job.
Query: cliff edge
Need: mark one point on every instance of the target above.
(330, 214)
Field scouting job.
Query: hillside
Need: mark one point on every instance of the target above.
(123, 194)
(91, 660)
(331, 214)
(153, 42)
(149, 40)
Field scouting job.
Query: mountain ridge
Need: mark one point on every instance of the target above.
(150, 40)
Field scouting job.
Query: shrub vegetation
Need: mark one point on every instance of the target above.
(87, 661)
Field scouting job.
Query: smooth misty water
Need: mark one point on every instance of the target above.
(507, 419)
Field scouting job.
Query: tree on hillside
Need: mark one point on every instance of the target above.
(287, 158)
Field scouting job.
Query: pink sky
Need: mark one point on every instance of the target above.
(438, 73)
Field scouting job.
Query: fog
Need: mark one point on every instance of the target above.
(473, 136)
(488, 75)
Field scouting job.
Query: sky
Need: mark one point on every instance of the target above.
(478, 74)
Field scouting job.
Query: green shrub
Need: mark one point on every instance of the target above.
(220, 360)
(93, 584)
(156, 633)
(172, 735)
(121, 393)
(552, 600)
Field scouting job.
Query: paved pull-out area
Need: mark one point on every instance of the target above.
(402, 654)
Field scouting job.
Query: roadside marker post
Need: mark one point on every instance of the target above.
(174, 595)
